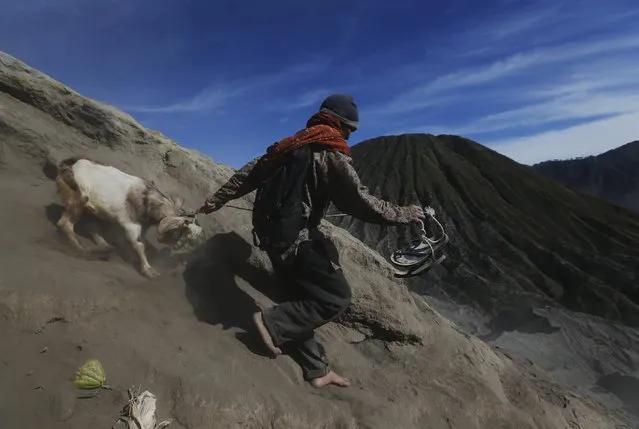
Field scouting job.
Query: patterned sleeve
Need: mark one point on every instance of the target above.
(352, 198)
(237, 186)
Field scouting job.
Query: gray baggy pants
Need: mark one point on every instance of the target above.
(315, 292)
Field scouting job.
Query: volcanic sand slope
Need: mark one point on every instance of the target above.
(612, 175)
(183, 337)
(517, 237)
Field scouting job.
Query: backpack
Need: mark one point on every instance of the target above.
(278, 208)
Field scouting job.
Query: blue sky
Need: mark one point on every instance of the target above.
(534, 80)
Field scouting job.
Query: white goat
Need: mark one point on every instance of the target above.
(134, 203)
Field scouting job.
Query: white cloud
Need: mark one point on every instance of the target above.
(540, 15)
(543, 22)
(535, 94)
(568, 107)
(209, 99)
(216, 96)
(484, 74)
(577, 91)
(309, 98)
(581, 140)
(523, 61)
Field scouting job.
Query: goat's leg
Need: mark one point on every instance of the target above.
(66, 224)
(103, 249)
(134, 234)
(93, 230)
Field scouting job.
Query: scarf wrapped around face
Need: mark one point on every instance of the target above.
(322, 129)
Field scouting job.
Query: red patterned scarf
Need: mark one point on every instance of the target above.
(322, 129)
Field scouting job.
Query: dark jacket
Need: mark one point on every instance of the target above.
(333, 178)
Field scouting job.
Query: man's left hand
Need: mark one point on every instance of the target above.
(209, 207)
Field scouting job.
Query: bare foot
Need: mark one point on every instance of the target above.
(266, 337)
(330, 378)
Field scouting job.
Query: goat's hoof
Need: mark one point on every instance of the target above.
(150, 273)
(102, 253)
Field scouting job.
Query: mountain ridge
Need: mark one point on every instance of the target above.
(612, 175)
(487, 202)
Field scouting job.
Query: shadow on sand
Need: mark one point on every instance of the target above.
(625, 387)
(211, 287)
(521, 319)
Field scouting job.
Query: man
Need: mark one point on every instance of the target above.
(309, 272)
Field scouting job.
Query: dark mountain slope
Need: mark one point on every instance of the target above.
(612, 175)
(518, 238)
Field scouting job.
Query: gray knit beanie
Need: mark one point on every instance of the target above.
(343, 106)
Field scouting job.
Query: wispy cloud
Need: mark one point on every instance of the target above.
(584, 95)
(500, 72)
(546, 22)
(540, 101)
(520, 21)
(306, 99)
(511, 66)
(218, 95)
(581, 140)
(209, 99)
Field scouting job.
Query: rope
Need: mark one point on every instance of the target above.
(239, 208)
(431, 212)
(427, 210)
(250, 210)
(425, 238)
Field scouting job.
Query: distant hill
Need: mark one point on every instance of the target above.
(612, 175)
(518, 238)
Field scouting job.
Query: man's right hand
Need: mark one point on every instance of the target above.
(416, 215)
